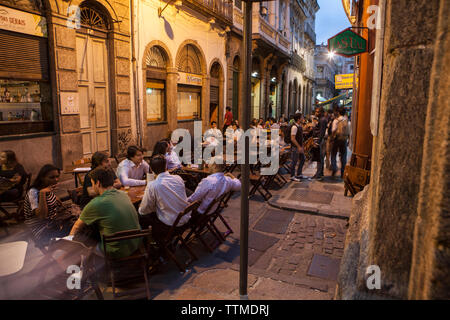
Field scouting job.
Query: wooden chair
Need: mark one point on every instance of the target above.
(175, 235)
(119, 268)
(81, 162)
(17, 203)
(70, 253)
(261, 184)
(75, 194)
(199, 226)
(217, 214)
(356, 174)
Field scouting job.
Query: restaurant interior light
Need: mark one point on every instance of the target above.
(255, 74)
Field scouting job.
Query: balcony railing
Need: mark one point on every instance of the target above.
(298, 62)
(220, 9)
(310, 33)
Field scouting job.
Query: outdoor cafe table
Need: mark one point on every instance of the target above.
(135, 193)
(12, 257)
(76, 170)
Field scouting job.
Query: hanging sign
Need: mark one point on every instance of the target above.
(190, 79)
(347, 44)
(343, 81)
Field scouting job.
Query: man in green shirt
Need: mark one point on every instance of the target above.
(110, 212)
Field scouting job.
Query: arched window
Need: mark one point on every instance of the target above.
(92, 15)
(189, 60)
(156, 61)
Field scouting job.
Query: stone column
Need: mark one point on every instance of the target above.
(206, 91)
(171, 99)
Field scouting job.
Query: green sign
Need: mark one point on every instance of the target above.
(347, 44)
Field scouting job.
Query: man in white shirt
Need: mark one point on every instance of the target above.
(214, 186)
(166, 195)
(173, 162)
(133, 170)
(213, 136)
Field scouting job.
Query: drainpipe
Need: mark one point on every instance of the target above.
(135, 77)
(378, 69)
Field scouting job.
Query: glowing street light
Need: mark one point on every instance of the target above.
(331, 55)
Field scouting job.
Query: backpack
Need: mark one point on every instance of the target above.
(287, 133)
(343, 130)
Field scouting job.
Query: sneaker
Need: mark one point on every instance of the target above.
(317, 177)
(303, 177)
(296, 179)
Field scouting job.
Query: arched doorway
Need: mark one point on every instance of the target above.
(215, 101)
(236, 91)
(93, 77)
(295, 98)
(256, 88)
(290, 98)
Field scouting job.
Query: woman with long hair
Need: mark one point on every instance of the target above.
(12, 176)
(99, 159)
(42, 207)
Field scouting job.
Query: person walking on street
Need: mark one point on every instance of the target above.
(321, 141)
(298, 154)
(340, 133)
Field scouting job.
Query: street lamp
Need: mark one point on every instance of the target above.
(245, 168)
(331, 55)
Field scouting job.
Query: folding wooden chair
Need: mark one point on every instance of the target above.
(356, 174)
(79, 163)
(122, 271)
(18, 203)
(200, 224)
(261, 183)
(61, 255)
(175, 235)
(223, 203)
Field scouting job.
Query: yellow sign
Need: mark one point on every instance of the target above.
(191, 79)
(343, 81)
(23, 22)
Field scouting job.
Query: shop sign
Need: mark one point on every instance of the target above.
(347, 44)
(23, 22)
(190, 79)
(343, 81)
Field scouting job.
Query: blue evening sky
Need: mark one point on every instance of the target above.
(330, 20)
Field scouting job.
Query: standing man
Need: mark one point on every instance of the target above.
(297, 148)
(228, 119)
(320, 131)
(340, 133)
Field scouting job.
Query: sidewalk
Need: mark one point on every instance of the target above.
(295, 246)
(293, 254)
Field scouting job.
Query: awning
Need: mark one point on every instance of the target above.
(332, 99)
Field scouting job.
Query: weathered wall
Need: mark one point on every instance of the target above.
(405, 204)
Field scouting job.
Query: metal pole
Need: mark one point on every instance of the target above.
(245, 168)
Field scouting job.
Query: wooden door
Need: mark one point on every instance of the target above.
(92, 65)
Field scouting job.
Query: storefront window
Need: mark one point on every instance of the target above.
(188, 104)
(25, 106)
(155, 95)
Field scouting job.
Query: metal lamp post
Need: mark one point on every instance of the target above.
(245, 168)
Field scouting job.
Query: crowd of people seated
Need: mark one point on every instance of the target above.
(107, 209)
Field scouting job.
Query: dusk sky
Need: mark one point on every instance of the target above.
(330, 20)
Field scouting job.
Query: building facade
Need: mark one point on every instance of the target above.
(301, 67)
(65, 80)
(326, 68)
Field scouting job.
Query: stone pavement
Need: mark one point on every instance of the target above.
(294, 253)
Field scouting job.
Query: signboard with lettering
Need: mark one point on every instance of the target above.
(190, 79)
(343, 81)
(23, 22)
(347, 44)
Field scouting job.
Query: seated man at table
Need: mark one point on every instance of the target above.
(164, 198)
(173, 162)
(213, 136)
(132, 171)
(213, 186)
(110, 212)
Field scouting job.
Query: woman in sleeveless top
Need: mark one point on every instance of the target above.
(42, 205)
